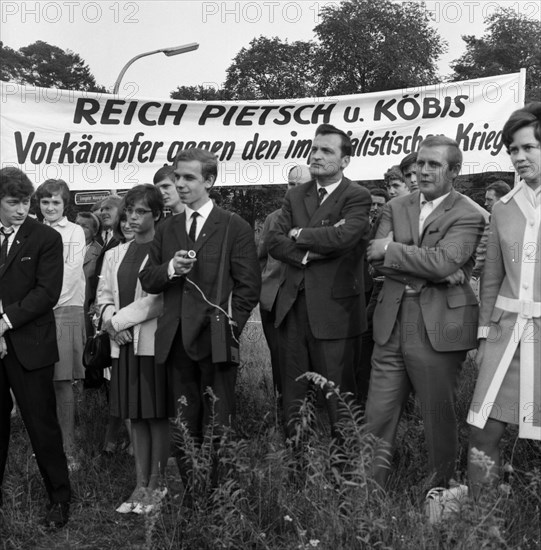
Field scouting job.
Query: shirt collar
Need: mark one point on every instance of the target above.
(435, 202)
(204, 211)
(62, 222)
(329, 188)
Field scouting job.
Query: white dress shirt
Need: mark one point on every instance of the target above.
(73, 283)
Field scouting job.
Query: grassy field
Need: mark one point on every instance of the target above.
(262, 500)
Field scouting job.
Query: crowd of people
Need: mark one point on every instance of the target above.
(369, 288)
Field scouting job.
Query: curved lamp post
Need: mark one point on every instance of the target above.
(167, 51)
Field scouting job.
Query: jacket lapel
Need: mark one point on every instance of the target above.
(17, 244)
(310, 199)
(328, 205)
(179, 229)
(439, 211)
(413, 213)
(210, 226)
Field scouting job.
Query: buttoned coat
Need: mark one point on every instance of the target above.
(510, 315)
(421, 261)
(333, 283)
(183, 303)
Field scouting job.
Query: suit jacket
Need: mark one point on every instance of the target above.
(141, 314)
(333, 283)
(448, 241)
(30, 285)
(271, 269)
(183, 303)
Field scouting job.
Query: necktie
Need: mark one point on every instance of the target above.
(6, 232)
(193, 228)
(322, 192)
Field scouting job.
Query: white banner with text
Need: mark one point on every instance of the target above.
(101, 141)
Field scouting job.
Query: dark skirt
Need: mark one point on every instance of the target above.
(138, 387)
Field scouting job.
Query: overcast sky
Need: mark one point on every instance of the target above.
(107, 34)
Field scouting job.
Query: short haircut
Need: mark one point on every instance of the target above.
(529, 115)
(394, 173)
(148, 194)
(327, 129)
(111, 200)
(96, 224)
(50, 187)
(454, 154)
(499, 187)
(208, 160)
(15, 183)
(300, 173)
(408, 160)
(164, 173)
(378, 192)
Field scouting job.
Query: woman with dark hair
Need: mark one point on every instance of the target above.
(53, 198)
(138, 389)
(508, 389)
(122, 229)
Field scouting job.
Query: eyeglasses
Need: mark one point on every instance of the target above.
(139, 212)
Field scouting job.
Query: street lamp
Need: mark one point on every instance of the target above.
(167, 51)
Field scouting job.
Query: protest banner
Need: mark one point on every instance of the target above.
(97, 141)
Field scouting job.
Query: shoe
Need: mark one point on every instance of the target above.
(73, 464)
(57, 515)
(441, 503)
(135, 500)
(152, 503)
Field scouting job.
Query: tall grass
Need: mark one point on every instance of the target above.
(262, 499)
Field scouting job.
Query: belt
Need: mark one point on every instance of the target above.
(525, 308)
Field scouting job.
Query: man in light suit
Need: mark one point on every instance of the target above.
(183, 336)
(31, 269)
(320, 235)
(426, 316)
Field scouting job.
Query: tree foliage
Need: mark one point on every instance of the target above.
(511, 42)
(273, 69)
(200, 93)
(42, 64)
(367, 46)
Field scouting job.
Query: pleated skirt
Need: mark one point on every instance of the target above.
(138, 386)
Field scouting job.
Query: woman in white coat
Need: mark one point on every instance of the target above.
(508, 389)
(138, 387)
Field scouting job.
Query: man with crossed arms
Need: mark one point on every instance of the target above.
(426, 316)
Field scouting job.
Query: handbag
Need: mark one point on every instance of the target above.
(96, 356)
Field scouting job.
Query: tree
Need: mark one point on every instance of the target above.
(252, 203)
(47, 66)
(367, 46)
(12, 64)
(272, 69)
(511, 42)
(200, 93)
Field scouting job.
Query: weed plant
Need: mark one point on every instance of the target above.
(264, 496)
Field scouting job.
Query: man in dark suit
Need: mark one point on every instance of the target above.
(320, 235)
(31, 270)
(426, 316)
(183, 336)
